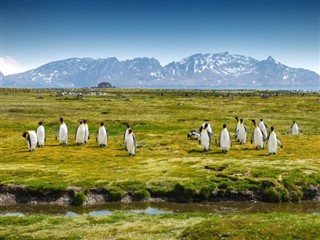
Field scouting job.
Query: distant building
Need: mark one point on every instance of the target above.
(104, 85)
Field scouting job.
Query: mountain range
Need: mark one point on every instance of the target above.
(220, 70)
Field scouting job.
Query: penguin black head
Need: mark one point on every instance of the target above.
(261, 119)
(237, 118)
(80, 121)
(84, 121)
(205, 125)
(224, 125)
(40, 123)
(241, 120)
(102, 123)
(25, 134)
(61, 119)
(130, 130)
(272, 128)
(294, 121)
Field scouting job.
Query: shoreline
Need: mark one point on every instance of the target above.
(13, 195)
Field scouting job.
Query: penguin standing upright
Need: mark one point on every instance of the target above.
(80, 133)
(242, 133)
(225, 139)
(62, 133)
(273, 141)
(131, 143)
(257, 136)
(102, 135)
(263, 127)
(295, 129)
(32, 140)
(125, 135)
(205, 137)
(236, 132)
(86, 131)
(41, 135)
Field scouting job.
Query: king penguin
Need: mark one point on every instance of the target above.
(131, 143)
(257, 136)
(205, 137)
(32, 140)
(62, 133)
(263, 127)
(225, 139)
(125, 135)
(242, 133)
(41, 135)
(294, 129)
(80, 133)
(102, 135)
(273, 141)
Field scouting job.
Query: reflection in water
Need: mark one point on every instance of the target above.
(310, 207)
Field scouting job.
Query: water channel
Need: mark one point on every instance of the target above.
(309, 207)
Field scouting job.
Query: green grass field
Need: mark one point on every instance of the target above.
(166, 164)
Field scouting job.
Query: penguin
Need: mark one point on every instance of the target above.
(125, 135)
(86, 131)
(62, 133)
(257, 136)
(131, 143)
(225, 139)
(263, 127)
(102, 135)
(205, 137)
(209, 128)
(41, 135)
(273, 141)
(237, 128)
(32, 140)
(80, 133)
(194, 135)
(242, 133)
(294, 129)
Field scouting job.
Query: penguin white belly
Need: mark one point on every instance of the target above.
(86, 133)
(258, 139)
(33, 140)
(40, 135)
(237, 131)
(263, 129)
(102, 136)
(272, 143)
(80, 134)
(130, 145)
(205, 140)
(242, 136)
(295, 129)
(225, 140)
(63, 133)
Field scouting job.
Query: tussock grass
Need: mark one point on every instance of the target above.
(164, 153)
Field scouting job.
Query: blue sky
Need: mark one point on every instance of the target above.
(35, 32)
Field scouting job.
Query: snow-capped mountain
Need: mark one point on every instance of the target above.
(197, 71)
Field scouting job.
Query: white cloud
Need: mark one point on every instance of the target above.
(9, 65)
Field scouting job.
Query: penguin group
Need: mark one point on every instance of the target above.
(204, 135)
(82, 136)
(259, 138)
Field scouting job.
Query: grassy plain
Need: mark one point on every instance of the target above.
(166, 161)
